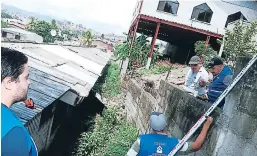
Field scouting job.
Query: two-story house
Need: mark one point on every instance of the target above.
(181, 23)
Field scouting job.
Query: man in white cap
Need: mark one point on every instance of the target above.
(195, 75)
(158, 143)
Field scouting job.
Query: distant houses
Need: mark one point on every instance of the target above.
(13, 34)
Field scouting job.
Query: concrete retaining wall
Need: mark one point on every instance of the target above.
(234, 131)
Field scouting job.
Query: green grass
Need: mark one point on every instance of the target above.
(109, 85)
(155, 70)
(110, 136)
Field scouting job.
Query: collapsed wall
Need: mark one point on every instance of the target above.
(234, 131)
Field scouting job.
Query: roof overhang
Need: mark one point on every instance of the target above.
(177, 25)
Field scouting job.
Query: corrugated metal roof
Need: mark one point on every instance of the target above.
(43, 91)
(20, 31)
(92, 54)
(73, 57)
(230, 8)
(62, 63)
(79, 73)
(54, 70)
(44, 56)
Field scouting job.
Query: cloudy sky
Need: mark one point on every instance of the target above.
(108, 15)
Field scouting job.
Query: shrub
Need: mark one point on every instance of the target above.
(109, 84)
(112, 85)
(110, 136)
(208, 54)
(240, 41)
(138, 53)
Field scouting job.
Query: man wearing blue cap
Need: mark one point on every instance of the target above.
(158, 143)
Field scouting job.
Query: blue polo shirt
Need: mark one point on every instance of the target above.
(15, 139)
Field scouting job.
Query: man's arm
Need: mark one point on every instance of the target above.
(186, 79)
(190, 147)
(228, 79)
(134, 150)
(197, 145)
(15, 143)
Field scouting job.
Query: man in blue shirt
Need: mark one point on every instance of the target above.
(15, 139)
(222, 76)
(158, 143)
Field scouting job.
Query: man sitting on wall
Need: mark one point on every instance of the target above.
(158, 142)
(222, 76)
(195, 75)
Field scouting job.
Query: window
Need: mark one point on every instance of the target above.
(170, 6)
(4, 34)
(202, 13)
(235, 17)
(17, 37)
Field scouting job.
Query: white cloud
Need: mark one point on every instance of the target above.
(115, 12)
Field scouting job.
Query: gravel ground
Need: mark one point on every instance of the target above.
(177, 77)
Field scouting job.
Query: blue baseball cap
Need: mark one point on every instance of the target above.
(157, 121)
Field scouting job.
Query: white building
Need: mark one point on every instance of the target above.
(15, 23)
(181, 22)
(19, 34)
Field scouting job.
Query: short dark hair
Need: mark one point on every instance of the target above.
(12, 63)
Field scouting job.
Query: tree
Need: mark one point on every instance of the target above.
(41, 28)
(138, 53)
(207, 53)
(4, 24)
(5, 15)
(240, 41)
(102, 36)
(68, 34)
(55, 27)
(88, 38)
(32, 23)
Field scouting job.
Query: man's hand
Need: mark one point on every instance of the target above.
(202, 83)
(197, 145)
(208, 122)
(203, 97)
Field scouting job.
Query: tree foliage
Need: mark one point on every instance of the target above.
(138, 53)
(109, 84)
(42, 28)
(240, 41)
(4, 24)
(111, 136)
(5, 15)
(88, 38)
(207, 53)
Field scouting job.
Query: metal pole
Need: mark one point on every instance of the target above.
(152, 45)
(154, 39)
